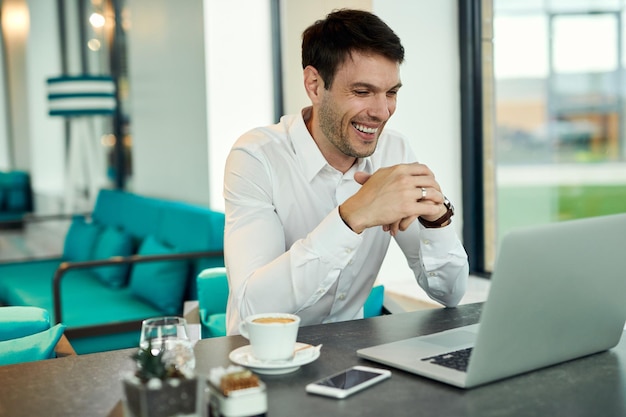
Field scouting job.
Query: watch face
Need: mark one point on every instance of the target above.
(448, 203)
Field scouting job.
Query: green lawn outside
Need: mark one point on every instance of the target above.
(521, 206)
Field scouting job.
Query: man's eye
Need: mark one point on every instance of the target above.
(361, 92)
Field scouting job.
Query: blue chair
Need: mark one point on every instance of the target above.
(212, 284)
(26, 335)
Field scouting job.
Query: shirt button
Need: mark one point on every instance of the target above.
(426, 242)
(348, 250)
(320, 291)
(342, 296)
(432, 274)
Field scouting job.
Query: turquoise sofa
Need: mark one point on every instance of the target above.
(135, 257)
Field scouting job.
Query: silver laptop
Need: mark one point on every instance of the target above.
(558, 293)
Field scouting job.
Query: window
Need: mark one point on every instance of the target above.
(553, 99)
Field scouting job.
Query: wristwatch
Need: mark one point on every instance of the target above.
(443, 219)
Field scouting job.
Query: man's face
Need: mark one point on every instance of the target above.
(362, 98)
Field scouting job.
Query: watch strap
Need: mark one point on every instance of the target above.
(440, 221)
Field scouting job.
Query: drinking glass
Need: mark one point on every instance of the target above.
(169, 334)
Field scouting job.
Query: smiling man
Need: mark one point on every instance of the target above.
(313, 201)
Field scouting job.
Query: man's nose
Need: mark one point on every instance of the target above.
(381, 108)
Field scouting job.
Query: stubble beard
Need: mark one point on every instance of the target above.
(331, 127)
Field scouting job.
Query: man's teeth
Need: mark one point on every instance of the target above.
(365, 129)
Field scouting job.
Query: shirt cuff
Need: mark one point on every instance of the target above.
(437, 241)
(334, 240)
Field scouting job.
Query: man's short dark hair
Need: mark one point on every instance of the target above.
(329, 42)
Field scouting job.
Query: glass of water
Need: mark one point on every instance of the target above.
(169, 334)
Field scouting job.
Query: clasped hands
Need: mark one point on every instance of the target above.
(393, 197)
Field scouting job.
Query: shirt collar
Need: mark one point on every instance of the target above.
(309, 155)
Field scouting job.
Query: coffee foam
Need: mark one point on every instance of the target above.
(273, 320)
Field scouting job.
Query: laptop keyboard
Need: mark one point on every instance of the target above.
(456, 360)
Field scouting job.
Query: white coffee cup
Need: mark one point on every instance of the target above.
(272, 336)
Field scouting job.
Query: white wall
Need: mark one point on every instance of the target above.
(168, 99)
(47, 134)
(239, 74)
(4, 106)
(15, 26)
(200, 76)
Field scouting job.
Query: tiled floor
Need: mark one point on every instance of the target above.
(36, 239)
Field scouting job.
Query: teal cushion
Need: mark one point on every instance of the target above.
(20, 321)
(160, 283)
(31, 348)
(80, 240)
(374, 303)
(113, 242)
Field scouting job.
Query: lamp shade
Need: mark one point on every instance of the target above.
(82, 95)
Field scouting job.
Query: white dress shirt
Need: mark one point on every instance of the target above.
(288, 250)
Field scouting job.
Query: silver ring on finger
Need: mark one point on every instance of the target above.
(423, 194)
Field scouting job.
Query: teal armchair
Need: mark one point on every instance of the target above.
(374, 303)
(26, 335)
(16, 198)
(212, 285)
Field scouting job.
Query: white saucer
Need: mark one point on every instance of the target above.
(243, 356)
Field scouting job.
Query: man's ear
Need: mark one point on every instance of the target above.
(313, 83)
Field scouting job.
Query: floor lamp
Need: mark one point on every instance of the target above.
(79, 99)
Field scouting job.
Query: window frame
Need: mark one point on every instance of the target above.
(472, 147)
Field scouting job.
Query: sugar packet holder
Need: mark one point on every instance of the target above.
(234, 392)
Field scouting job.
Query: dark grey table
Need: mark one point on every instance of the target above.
(89, 385)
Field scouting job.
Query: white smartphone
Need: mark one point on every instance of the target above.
(347, 382)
